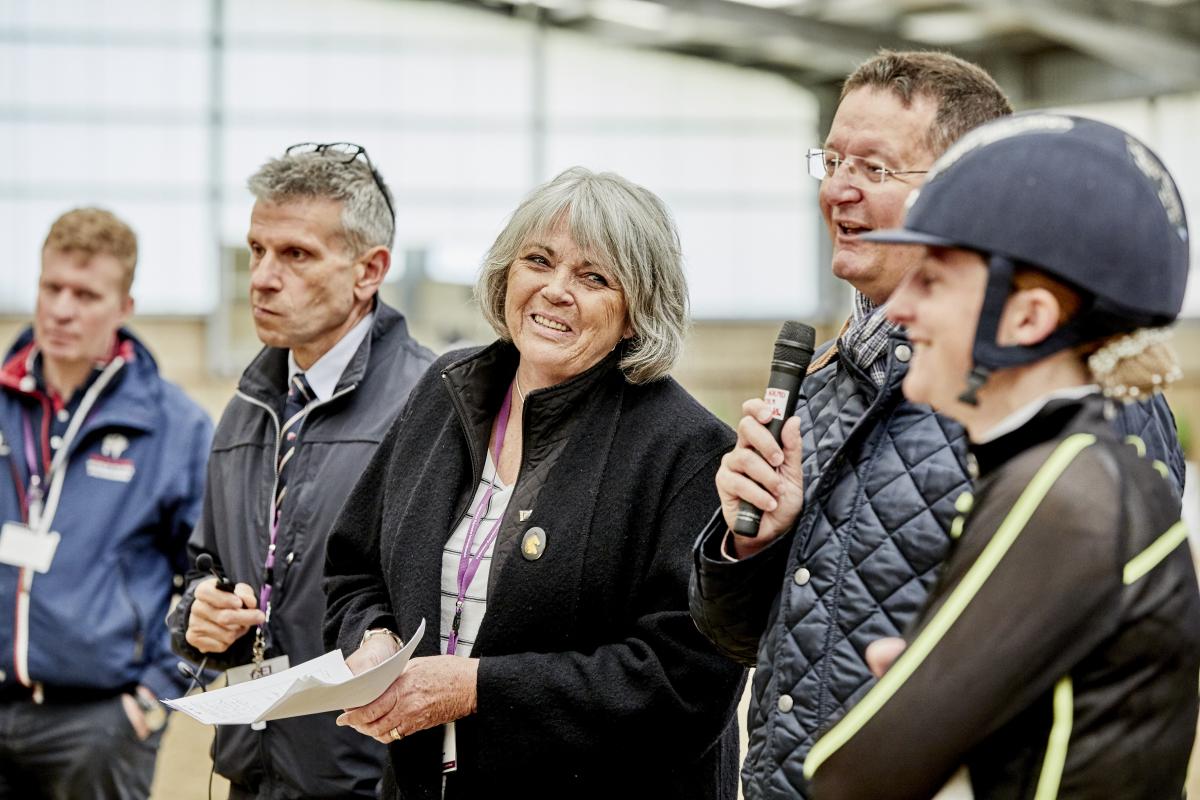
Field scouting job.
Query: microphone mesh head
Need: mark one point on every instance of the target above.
(795, 344)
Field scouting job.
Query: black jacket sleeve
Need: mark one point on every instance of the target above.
(731, 600)
(356, 593)
(204, 540)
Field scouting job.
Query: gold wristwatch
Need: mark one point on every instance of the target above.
(381, 632)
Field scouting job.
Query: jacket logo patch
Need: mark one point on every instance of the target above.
(110, 469)
(114, 445)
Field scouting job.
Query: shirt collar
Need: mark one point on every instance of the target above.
(323, 375)
(862, 306)
(1030, 410)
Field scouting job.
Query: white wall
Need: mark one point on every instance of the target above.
(109, 102)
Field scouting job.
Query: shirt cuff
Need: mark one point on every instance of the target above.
(725, 540)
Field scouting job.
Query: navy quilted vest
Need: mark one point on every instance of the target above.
(881, 477)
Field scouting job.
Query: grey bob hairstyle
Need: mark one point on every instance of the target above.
(622, 226)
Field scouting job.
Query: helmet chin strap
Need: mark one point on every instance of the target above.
(988, 356)
(999, 287)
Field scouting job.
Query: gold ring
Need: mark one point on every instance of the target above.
(396, 735)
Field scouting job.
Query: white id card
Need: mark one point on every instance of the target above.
(449, 749)
(21, 546)
(248, 672)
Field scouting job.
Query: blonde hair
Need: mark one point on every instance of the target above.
(1127, 366)
(95, 232)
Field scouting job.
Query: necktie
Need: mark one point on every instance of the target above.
(299, 395)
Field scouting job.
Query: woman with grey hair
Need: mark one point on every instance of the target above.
(535, 497)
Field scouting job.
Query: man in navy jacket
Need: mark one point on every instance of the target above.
(101, 476)
(309, 411)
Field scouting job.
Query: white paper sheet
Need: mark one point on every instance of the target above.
(316, 686)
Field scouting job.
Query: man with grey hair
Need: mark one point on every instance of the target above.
(859, 501)
(307, 416)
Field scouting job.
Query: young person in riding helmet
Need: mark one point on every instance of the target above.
(1057, 655)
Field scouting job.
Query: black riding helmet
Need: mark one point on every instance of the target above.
(1080, 200)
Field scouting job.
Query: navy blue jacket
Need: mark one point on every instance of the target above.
(302, 757)
(134, 481)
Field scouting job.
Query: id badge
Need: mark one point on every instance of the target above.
(248, 672)
(22, 546)
(449, 749)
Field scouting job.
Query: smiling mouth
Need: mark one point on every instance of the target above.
(546, 322)
(851, 229)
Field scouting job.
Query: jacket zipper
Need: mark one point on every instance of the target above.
(139, 639)
(264, 751)
(827, 476)
(279, 433)
(477, 474)
(21, 625)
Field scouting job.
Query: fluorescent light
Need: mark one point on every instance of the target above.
(634, 13)
(944, 27)
(767, 3)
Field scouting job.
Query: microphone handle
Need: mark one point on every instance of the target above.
(204, 563)
(782, 391)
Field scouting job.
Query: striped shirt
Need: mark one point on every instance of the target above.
(475, 600)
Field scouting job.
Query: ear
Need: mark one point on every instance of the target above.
(1030, 315)
(126, 308)
(628, 332)
(369, 272)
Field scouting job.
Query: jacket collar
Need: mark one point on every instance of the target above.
(480, 380)
(129, 401)
(265, 378)
(1057, 415)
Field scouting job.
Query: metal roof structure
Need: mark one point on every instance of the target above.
(1044, 52)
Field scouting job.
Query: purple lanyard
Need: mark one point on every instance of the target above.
(34, 493)
(264, 594)
(468, 563)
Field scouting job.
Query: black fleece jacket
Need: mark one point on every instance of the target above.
(591, 670)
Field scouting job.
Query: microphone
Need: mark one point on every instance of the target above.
(793, 352)
(204, 563)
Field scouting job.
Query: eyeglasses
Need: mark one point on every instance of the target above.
(345, 152)
(823, 163)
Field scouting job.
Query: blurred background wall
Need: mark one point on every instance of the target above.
(160, 110)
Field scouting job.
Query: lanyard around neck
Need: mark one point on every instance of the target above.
(468, 562)
(264, 593)
(42, 517)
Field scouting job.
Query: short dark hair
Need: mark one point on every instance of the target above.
(966, 95)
